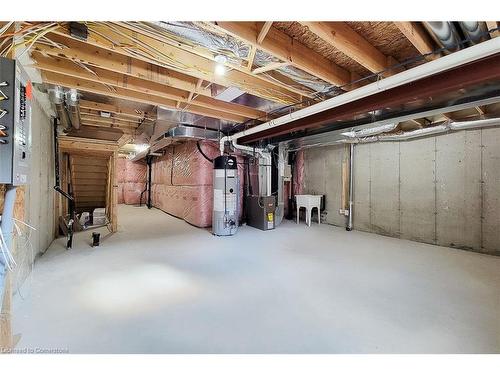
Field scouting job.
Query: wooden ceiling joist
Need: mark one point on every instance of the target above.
(493, 25)
(135, 96)
(96, 114)
(95, 106)
(68, 68)
(416, 35)
(110, 121)
(177, 59)
(287, 49)
(263, 31)
(345, 39)
(70, 144)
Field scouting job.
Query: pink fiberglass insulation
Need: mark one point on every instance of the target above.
(131, 180)
(298, 173)
(120, 193)
(182, 181)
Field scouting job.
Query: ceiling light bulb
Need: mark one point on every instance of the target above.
(220, 70)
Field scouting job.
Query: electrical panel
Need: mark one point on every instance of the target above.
(15, 123)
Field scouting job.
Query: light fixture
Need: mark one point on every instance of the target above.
(220, 69)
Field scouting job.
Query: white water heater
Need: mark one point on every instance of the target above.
(226, 196)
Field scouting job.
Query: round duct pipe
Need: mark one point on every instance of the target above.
(476, 32)
(73, 108)
(445, 34)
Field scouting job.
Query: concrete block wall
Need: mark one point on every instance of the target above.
(443, 190)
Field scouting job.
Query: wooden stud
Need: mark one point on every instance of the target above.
(263, 31)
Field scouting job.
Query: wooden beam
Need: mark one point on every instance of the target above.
(173, 57)
(493, 25)
(418, 36)
(114, 193)
(481, 110)
(97, 114)
(288, 49)
(251, 58)
(204, 52)
(263, 31)
(341, 36)
(87, 104)
(66, 67)
(68, 144)
(121, 93)
(269, 67)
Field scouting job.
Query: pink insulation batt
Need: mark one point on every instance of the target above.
(131, 181)
(182, 182)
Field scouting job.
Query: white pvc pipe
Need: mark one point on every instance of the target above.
(453, 60)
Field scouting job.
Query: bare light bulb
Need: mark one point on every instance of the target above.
(220, 70)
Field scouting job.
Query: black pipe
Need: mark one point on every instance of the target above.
(69, 197)
(149, 161)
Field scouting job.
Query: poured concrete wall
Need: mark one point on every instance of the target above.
(35, 201)
(442, 190)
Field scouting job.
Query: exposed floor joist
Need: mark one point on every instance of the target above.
(417, 36)
(68, 68)
(287, 49)
(349, 42)
(127, 94)
(180, 60)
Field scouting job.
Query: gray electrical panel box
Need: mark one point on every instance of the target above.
(15, 123)
(260, 211)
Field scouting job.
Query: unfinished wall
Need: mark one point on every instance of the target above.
(35, 202)
(132, 179)
(182, 182)
(442, 190)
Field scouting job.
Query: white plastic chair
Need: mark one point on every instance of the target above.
(308, 202)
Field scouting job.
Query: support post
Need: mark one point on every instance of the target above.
(351, 187)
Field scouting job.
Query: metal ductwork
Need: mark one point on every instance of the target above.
(57, 98)
(476, 32)
(73, 108)
(371, 131)
(445, 34)
(66, 106)
(418, 133)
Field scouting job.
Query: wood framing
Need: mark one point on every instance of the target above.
(493, 25)
(342, 37)
(417, 36)
(287, 49)
(67, 68)
(139, 115)
(172, 57)
(136, 96)
(263, 31)
(71, 144)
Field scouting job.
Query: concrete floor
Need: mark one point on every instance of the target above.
(162, 286)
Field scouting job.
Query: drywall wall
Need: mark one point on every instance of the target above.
(35, 202)
(442, 190)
